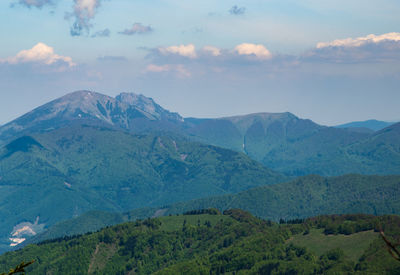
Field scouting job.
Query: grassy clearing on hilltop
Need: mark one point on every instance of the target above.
(352, 245)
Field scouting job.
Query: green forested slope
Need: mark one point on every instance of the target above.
(215, 244)
(58, 174)
(309, 196)
(300, 198)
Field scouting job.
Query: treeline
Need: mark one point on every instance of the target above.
(350, 224)
(210, 211)
(209, 243)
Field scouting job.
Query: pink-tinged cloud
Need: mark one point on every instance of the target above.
(258, 50)
(361, 41)
(182, 50)
(35, 3)
(40, 53)
(370, 48)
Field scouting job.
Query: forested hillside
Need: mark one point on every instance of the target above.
(62, 173)
(206, 242)
(309, 196)
(300, 198)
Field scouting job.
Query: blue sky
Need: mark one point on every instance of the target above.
(330, 61)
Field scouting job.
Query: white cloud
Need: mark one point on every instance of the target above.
(183, 50)
(360, 41)
(253, 49)
(179, 69)
(83, 11)
(258, 51)
(212, 50)
(370, 48)
(86, 7)
(40, 53)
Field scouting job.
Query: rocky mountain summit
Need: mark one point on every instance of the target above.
(127, 110)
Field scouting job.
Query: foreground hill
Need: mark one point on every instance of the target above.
(300, 198)
(281, 141)
(55, 175)
(211, 243)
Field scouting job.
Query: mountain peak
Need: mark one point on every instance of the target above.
(82, 95)
(133, 99)
(140, 101)
(245, 121)
(127, 111)
(264, 116)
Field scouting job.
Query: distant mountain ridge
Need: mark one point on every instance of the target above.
(372, 124)
(281, 141)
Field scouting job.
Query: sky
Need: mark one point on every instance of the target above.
(329, 61)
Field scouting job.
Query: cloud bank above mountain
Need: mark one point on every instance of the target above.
(370, 48)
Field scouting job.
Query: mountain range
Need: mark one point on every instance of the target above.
(371, 124)
(281, 141)
(87, 151)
